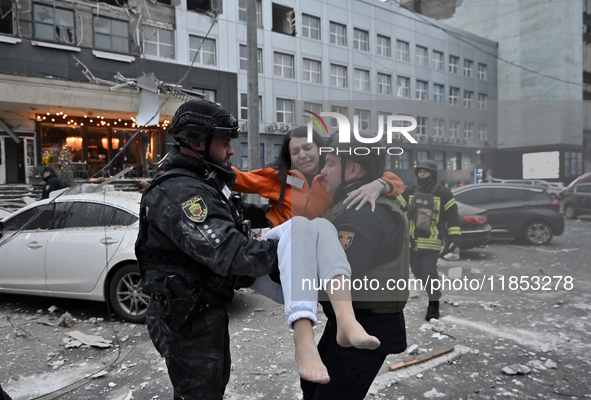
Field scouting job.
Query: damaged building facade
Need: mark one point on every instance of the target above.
(69, 74)
(73, 75)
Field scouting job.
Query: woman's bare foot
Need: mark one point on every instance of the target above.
(309, 363)
(352, 334)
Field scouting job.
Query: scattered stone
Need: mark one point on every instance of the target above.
(455, 273)
(52, 309)
(66, 320)
(550, 364)
(412, 349)
(56, 364)
(547, 347)
(439, 336)
(112, 384)
(516, 369)
(456, 304)
(259, 310)
(45, 322)
(421, 350)
(475, 271)
(433, 393)
(99, 374)
(451, 257)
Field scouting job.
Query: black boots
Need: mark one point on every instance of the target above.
(432, 310)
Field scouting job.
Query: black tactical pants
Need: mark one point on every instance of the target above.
(423, 265)
(197, 355)
(352, 370)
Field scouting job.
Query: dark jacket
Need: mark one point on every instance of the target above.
(52, 182)
(189, 230)
(374, 240)
(445, 220)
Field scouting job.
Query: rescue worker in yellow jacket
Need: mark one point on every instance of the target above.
(432, 212)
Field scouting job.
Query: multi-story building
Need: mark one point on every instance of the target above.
(544, 80)
(361, 58)
(81, 73)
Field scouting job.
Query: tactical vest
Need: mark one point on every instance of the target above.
(392, 275)
(422, 210)
(216, 289)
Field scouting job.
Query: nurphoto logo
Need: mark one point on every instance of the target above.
(344, 131)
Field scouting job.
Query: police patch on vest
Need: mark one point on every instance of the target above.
(195, 209)
(346, 239)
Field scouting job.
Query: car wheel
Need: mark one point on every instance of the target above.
(126, 295)
(570, 211)
(538, 233)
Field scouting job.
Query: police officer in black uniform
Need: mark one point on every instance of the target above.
(377, 247)
(193, 251)
(432, 212)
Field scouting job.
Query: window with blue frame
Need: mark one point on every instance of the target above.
(404, 160)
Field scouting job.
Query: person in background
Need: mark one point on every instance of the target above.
(432, 212)
(52, 182)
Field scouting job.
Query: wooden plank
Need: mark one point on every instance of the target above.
(422, 358)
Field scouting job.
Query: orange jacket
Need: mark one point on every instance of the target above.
(310, 202)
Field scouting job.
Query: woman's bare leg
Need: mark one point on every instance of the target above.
(350, 333)
(309, 363)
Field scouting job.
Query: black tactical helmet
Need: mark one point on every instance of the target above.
(371, 156)
(198, 120)
(428, 165)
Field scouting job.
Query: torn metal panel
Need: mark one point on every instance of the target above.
(9, 130)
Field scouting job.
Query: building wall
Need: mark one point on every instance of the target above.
(542, 108)
(376, 18)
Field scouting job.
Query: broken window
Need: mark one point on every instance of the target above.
(54, 24)
(283, 20)
(6, 17)
(205, 6)
(116, 3)
(111, 34)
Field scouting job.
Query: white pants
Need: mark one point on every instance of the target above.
(309, 253)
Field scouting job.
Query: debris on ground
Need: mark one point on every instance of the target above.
(516, 369)
(66, 320)
(91, 340)
(422, 357)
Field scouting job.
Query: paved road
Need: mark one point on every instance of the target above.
(548, 331)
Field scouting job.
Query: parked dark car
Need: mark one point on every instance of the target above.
(553, 191)
(516, 211)
(585, 178)
(577, 200)
(476, 232)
